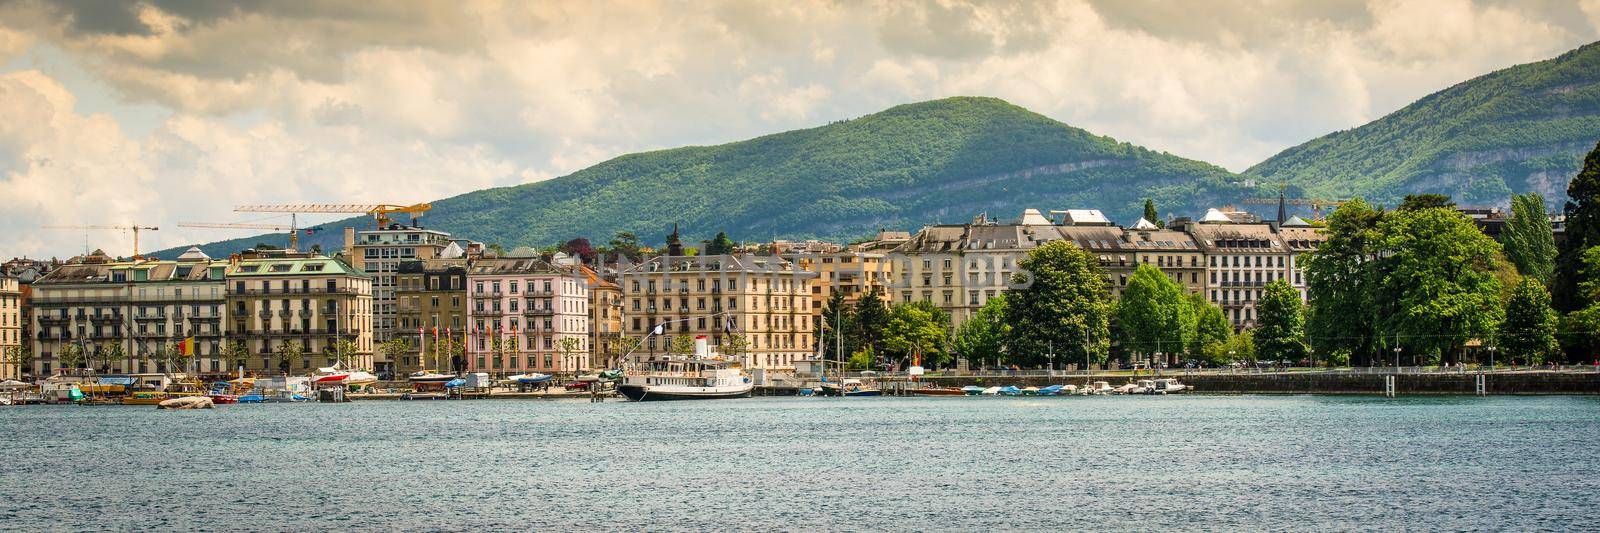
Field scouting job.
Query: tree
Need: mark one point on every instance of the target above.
(720, 245)
(626, 244)
(734, 346)
(1582, 232)
(918, 328)
(1529, 330)
(1063, 301)
(1211, 325)
(1280, 332)
(580, 248)
(111, 354)
(681, 345)
(1154, 315)
(1436, 288)
(1151, 215)
(984, 335)
(571, 347)
(1418, 202)
(22, 358)
(234, 354)
(290, 355)
(71, 356)
(838, 319)
(871, 318)
(1340, 281)
(395, 348)
(1529, 242)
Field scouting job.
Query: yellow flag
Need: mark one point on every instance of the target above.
(187, 346)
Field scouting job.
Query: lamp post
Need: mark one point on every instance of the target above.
(1396, 359)
(1491, 358)
(1158, 356)
(1051, 357)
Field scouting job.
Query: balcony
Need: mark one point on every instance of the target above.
(285, 313)
(491, 312)
(294, 290)
(264, 314)
(105, 319)
(150, 317)
(54, 320)
(538, 312)
(540, 291)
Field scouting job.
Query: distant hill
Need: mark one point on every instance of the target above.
(939, 161)
(1524, 128)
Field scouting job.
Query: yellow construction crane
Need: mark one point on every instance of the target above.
(292, 228)
(380, 212)
(135, 227)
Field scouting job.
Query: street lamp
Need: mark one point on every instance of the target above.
(1397, 359)
(1052, 358)
(1158, 357)
(1491, 358)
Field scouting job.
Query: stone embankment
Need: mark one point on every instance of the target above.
(1523, 382)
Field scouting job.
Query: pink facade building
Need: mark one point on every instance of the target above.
(526, 315)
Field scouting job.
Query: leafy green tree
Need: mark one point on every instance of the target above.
(1280, 331)
(870, 320)
(1529, 330)
(290, 354)
(918, 328)
(1529, 242)
(1211, 325)
(984, 335)
(395, 348)
(1437, 288)
(570, 347)
(626, 244)
(1064, 302)
(20, 357)
(112, 354)
(1154, 315)
(234, 355)
(1582, 232)
(720, 245)
(1341, 281)
(1418, 202)
(1151, 215)
(861, 360)
(71, 356)
(838, 319)
(734, 345)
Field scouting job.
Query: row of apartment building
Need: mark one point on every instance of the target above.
(524, 311)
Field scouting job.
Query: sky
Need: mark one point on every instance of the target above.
(164, 111)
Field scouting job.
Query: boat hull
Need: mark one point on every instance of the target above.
(937, 392)
(640, 393)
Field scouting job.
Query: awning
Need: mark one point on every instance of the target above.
(117, 380)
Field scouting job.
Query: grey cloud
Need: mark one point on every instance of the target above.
(933, 29)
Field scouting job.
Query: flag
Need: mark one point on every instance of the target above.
(186, 347)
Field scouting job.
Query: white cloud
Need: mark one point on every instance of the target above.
(374, 101)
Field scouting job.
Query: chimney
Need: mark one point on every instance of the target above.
(349, 240)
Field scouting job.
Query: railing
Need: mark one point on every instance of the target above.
(153, 316)
(294, 290)
(538, 312)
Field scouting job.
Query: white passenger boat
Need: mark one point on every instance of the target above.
(1168, 386)
(702, 376)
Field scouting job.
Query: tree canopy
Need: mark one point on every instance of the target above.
(1529, 242)
(1280, 319)
(1154, 315)
(1529, 330)
(1063, 302)
(984, 335)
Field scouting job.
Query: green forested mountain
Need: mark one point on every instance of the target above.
(939, 161)
(1521, 129)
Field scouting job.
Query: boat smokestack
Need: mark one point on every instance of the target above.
(701, 348)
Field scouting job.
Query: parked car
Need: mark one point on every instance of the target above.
(579, 385)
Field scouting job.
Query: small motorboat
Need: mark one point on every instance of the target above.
(252, 398)
(1047, 391)
(331, 379)
(1098, 387)
(991, 391)
(1168, 386)
(852, 387)
(1010, 390)
(972, 390)
(223, 398)
(936, 391)
(360, 378)
(1030, 391)
(1068, 389)
(187, 402)
(145, 398)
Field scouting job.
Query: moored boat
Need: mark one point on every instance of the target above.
(936, 391)
(972, 390)
(702, 376)
(1168, 386)
(1048, 391)
(187, 402)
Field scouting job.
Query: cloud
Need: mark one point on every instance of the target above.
(398, 101)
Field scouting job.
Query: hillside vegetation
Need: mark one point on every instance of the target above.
(1521, 129)
(939, 161)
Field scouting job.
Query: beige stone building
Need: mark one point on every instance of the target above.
(537, 312)
(430, 299)
(379, 253)
(1241, 259)
(763, 302)
(10, 327)
(605, 320)
(853, 274)
(121, 316)
(308, 300)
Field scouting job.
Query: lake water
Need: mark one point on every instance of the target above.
(1135, 463)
